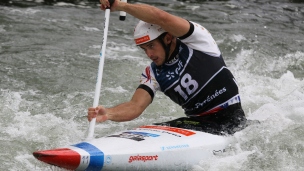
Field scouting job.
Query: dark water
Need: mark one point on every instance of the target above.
(49, 56)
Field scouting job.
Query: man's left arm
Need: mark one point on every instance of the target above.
(153, 15)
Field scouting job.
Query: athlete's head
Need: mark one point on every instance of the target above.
(146, 32)
(151, 38)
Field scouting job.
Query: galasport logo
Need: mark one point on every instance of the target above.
(142, 158)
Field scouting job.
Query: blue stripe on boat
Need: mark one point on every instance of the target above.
(96, 156)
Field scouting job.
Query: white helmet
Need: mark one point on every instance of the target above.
(146, 32)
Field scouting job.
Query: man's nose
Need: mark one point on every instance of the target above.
(149, 53)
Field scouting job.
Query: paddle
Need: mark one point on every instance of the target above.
(100, 69)
(122, 14)
(101, 64)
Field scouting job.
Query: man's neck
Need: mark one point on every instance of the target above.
(173, 51)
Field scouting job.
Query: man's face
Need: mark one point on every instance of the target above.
(155, 51)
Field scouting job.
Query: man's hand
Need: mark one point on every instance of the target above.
(99, 113)
(106, 4)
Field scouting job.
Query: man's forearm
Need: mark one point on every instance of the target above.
(153, 15)
(123, 112)
(144, 12)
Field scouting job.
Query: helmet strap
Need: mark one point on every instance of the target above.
(166, 47)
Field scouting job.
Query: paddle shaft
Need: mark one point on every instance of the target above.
(100, 71)
(122, 14)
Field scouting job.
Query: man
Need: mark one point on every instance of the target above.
(187, 66)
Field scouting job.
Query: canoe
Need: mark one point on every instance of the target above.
(148, 147)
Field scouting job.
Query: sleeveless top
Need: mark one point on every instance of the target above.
(196, 76)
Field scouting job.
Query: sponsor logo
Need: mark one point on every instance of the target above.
(108, 160)
(172, 74)
(165, 132)
(217, 152)
(170, 129)
(142, 158)
(137, 136)
(142, 39)
(208, 99)
(172, 147)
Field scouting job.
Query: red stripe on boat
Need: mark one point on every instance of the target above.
(62, 157)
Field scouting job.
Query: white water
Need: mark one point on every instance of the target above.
(48, 67)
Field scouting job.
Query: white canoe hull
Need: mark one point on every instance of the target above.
(148, 147)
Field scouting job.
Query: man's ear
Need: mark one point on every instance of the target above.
(168, 38)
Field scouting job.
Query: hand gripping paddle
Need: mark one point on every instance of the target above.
(101, 64)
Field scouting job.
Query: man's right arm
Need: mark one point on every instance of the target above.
(124, 112)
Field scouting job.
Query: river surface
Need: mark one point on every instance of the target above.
(49, 55)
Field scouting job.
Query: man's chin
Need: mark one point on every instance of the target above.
(158, 63)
